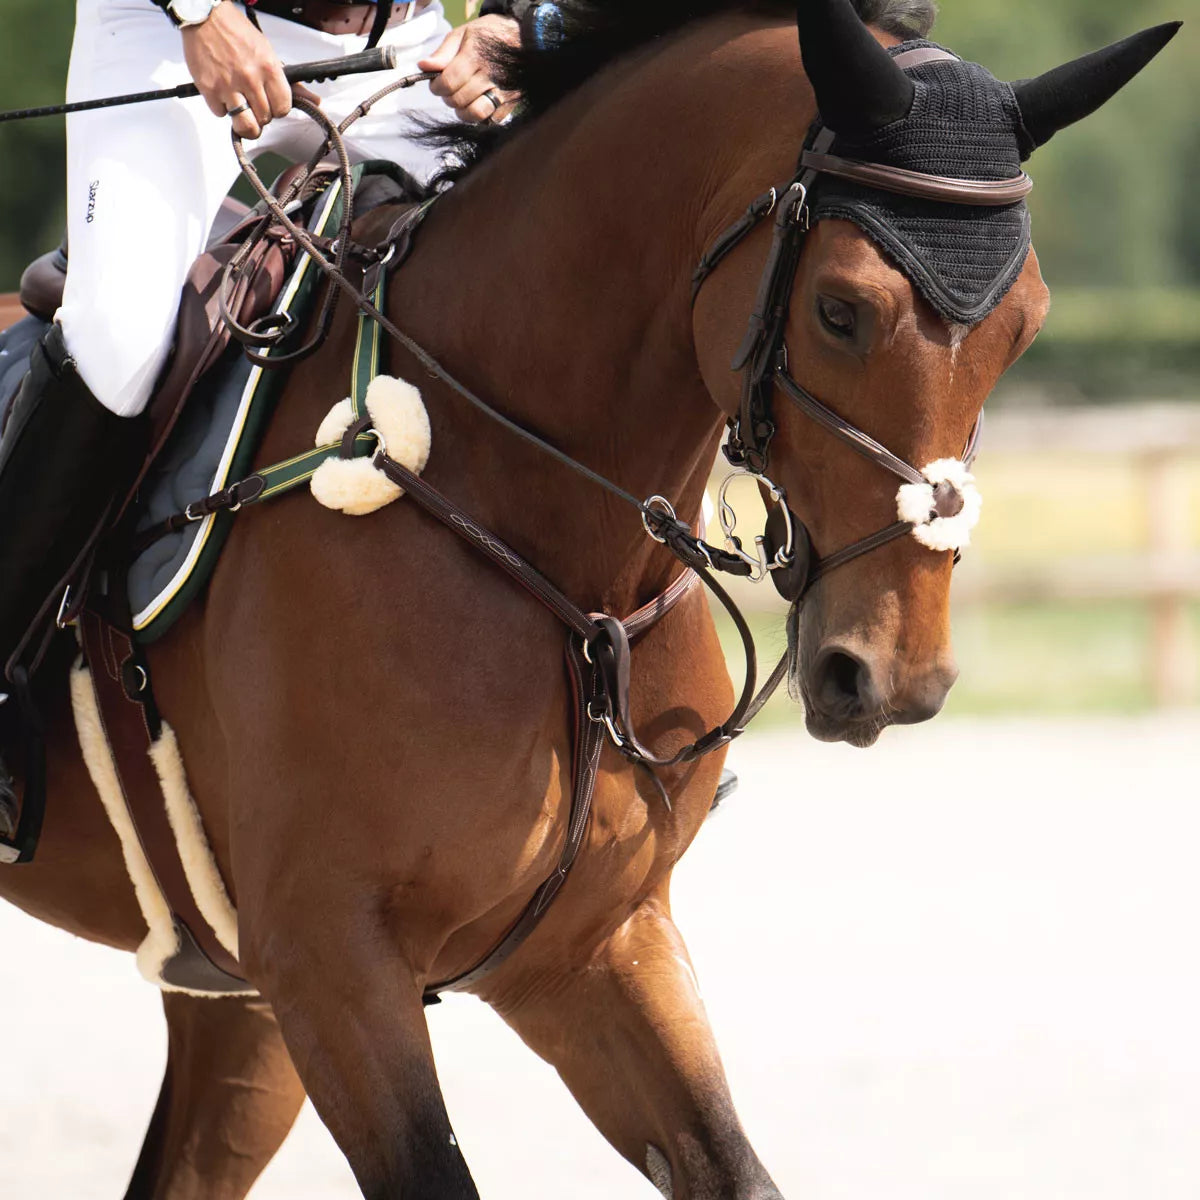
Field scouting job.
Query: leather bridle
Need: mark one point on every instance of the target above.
(785, 550)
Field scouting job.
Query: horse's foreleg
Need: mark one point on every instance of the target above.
(352, 1016)
(228, 1099)
(628, 1034)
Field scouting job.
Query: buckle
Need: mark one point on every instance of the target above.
(63, 619)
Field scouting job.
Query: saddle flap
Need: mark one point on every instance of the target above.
(201, 336)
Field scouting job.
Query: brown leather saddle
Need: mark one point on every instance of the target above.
(200, 333)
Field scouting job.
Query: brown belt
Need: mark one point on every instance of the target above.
(331, 16)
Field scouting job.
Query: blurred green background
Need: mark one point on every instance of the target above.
(1117, 229)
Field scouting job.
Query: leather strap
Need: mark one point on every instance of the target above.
(762, 206)
(870, 449)
(923, 55)
(650, 614)
(605, 638)
(589, 738)
(857, 549)
(854, 437)
(751, 432)
(330, 16)
(987, 193)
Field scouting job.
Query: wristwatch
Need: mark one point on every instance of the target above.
(186, 13)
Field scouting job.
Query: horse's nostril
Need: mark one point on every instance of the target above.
(843, 685)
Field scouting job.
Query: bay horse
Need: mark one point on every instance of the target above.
(373, 719)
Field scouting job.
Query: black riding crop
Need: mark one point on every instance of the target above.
(382, 58)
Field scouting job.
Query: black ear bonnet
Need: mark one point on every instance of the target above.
(963, 123)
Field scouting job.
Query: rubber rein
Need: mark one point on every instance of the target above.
(598, 650)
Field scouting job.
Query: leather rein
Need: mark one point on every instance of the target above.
(598, 650)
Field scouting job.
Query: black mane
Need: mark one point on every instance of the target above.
(598, 32)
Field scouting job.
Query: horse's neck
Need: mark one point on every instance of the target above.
(557, 283)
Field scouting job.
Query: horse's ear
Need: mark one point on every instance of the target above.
(859, 88)
(1075, 90)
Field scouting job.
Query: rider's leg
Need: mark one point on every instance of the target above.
(143, 186)
(61, 460)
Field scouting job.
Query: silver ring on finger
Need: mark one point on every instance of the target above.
(237, 110)
(497, 100)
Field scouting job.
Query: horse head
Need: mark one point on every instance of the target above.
(905, 308)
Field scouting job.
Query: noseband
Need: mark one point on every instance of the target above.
(785, 550)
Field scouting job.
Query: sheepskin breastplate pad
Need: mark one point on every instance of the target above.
(964, 123)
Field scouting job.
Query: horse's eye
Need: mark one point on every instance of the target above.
(836, 315)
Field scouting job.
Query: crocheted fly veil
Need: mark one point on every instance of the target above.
(963, 259)
(944, 117)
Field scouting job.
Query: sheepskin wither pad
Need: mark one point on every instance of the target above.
(964, 123)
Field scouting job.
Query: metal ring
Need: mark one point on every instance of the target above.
(668, 510)
(497, 100)
(237, 112)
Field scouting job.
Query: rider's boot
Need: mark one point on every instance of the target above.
(62, 458)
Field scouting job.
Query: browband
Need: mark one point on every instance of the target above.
(992, 193)
(986, 193)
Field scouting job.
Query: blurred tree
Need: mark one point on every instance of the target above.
(1111, 204)
(33, 71)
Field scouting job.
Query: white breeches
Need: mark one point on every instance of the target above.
(144, 183)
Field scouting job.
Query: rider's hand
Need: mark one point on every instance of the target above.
(232, 63)
(465, 77)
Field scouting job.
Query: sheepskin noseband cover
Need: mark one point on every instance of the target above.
(962, 258)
